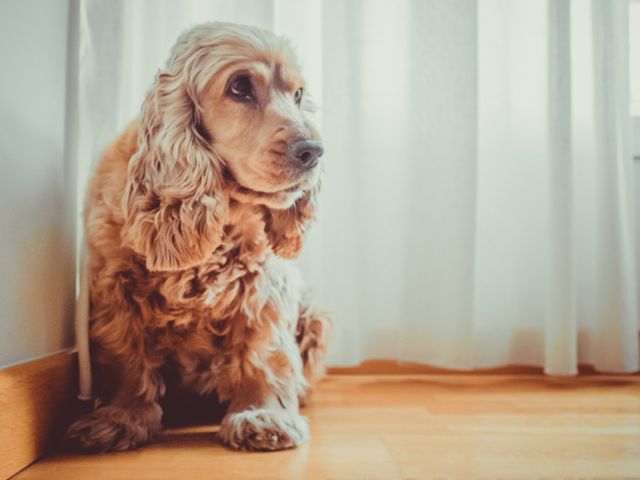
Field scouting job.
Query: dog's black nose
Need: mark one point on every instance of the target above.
(306, 152)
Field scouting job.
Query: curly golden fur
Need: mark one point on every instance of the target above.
(190, 219)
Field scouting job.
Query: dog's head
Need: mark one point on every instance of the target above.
(227, 118)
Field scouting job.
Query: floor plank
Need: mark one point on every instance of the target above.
(412, 427)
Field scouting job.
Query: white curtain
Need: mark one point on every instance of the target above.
(478, 202)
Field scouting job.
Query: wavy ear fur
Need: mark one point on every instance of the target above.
(174, 203)
(285, 228)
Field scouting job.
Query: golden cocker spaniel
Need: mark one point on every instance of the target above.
(190, 220)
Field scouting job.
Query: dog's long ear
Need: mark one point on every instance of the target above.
(174, 204)
(285, 228)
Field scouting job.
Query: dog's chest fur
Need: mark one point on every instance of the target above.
(214, 288)
(205, 298)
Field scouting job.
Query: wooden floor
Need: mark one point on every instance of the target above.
(413, 427)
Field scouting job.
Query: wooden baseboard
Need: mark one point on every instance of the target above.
(393, 367)
(37, 399)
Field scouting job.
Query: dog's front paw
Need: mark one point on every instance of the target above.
(264, 429)
(113, 429)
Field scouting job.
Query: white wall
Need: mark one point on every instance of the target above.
(36, 248)
(634, 56)
(635, 150)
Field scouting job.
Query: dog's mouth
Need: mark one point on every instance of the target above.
(275, 198)
(231, 179)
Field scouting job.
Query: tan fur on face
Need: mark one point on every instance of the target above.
(252, 139)
(186, 219)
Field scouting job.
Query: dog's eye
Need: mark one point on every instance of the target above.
(241, 89)
(297, 97)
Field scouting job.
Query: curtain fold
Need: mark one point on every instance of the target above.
(478, 204)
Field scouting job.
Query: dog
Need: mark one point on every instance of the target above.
(191, 219)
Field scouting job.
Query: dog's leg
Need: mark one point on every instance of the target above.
(128, 388)
(263, 385)
(312, 335)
